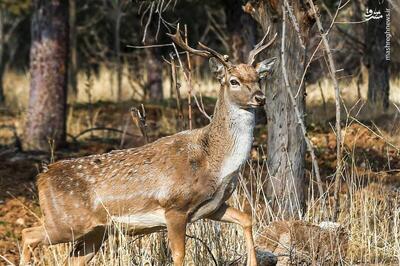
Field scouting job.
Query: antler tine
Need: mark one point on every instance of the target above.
(223, 58)
(207, 52)
(177, 38)
(259, 47)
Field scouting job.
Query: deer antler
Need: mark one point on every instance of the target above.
(259, 47)
(205, 52)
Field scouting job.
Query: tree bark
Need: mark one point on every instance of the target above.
(117, 44)
(2, 61)
(154, 76)
(49, 74)
(73, 67)
(376, 61)
(154, 88)
(2, 70)
(286, 145)
(242, 30)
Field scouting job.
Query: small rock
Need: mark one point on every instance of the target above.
(266, 258)
(20, 221)
(328, 225)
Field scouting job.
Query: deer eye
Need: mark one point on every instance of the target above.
(234, 82)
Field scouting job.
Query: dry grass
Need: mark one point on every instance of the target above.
(103, 88)
(369, 213)
(16, 86)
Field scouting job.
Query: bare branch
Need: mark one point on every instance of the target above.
(316, 50)
(187, 80)
(294, 23)
(148, 23)
(332, 72)
(201, 106)
(175, 86)
(189, 75)
(139, 119)
(149, 46)
(75, 138)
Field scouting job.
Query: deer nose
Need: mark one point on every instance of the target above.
(259, 98)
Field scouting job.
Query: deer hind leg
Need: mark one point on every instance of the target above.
(31, 238)
(231, 215)
(87, 246)
(176, 227)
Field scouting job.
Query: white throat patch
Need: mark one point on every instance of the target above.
(242, 124)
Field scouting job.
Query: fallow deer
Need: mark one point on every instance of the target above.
(169, 183)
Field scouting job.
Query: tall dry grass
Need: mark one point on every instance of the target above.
(319, 101)
(369, 211)
(103, 87)
(16, 88)
(369, 214)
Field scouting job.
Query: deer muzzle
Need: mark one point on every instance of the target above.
(258, 99)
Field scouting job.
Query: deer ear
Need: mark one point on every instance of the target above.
(217, 68)
(265, 67)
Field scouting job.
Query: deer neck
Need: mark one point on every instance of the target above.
(230, 136)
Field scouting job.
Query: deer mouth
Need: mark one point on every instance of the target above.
(255, 105)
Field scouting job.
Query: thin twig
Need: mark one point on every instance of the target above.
(189, 75)
(159, 10)
(139, 119)
(215, 27)
(332, 72)
(201, 107)
(316, 50)
(75, 138)
(184, 72)
(9, 262)
(351, 22)
(149, 46)
(205, 245)
(23, 205)
(176, 86)
(376, 134)
(294, 22)
(148, 22)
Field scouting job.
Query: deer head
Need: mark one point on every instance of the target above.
(240, 82)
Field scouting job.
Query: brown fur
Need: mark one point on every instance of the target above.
(245, 73)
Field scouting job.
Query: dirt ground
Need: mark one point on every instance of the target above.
(19, 208)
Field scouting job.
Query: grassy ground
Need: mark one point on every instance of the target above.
(370, 195)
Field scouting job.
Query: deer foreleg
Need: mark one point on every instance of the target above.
(231, 215)
(176, 227)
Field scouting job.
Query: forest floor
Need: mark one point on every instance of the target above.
(371, 150)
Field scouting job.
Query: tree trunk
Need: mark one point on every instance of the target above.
(73, 67)
(154, 63)
(2, 70)
(2, 63)
(117, 44)
(286, 145)
(242, 31)
(376, 61)
(49, 74)
(154, 76)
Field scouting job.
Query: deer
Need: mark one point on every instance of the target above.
(165, 184)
